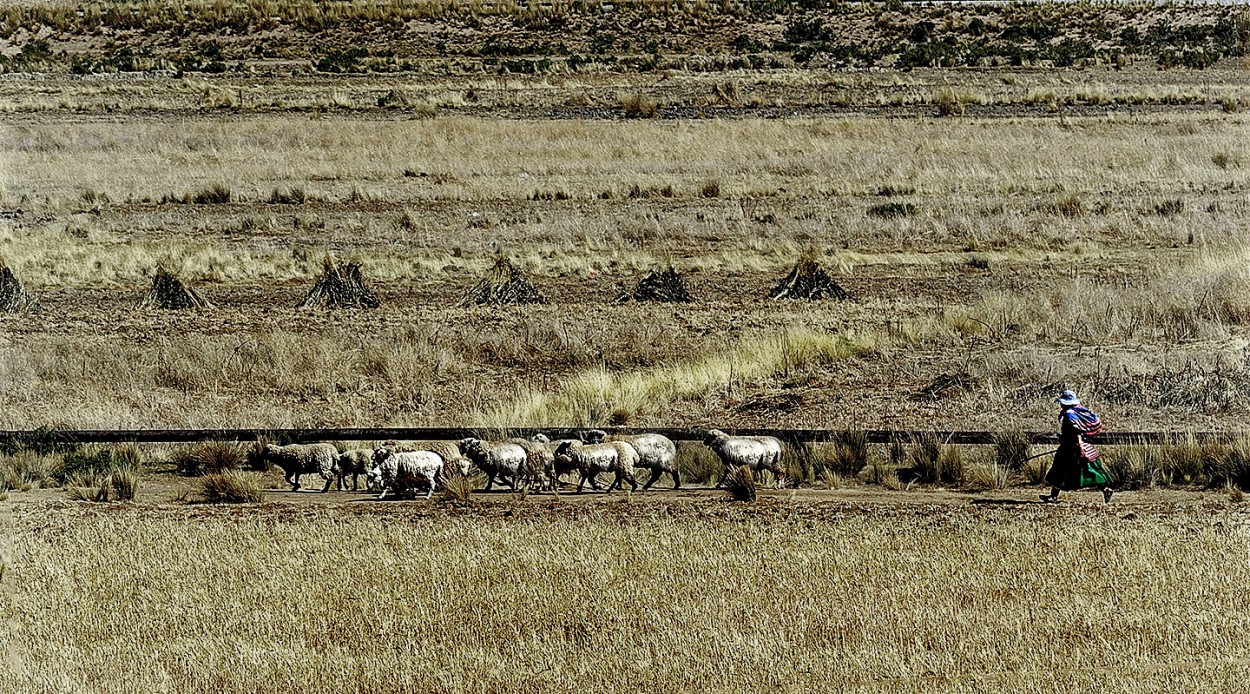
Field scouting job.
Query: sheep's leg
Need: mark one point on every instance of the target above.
(676, 478)
(355, 480)
(594, 481)
(329, 481)
(430, 493)
(655, 475)
(295, 482)
(582, 483)
(490, 481)
(633, 483)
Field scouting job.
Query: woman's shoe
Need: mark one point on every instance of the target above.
(1049, 498)
(1106, 495)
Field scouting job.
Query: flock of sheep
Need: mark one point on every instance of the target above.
(538, 463)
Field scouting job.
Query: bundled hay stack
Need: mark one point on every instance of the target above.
(808, 280)
(504, 284)
(13, 296)
(170, 293)
(665, 286)
(340, 288)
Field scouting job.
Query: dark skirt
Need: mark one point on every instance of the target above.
(1070, 471)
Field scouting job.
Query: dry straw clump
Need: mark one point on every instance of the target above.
(231, 487)
(808, 280)
(13, 296)
(666, 286)
(504, 284)
(340, 288)
(169, 292)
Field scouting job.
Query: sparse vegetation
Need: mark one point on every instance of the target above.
(208, 458)
(231, 487)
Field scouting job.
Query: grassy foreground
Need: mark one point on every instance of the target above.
(644, 596)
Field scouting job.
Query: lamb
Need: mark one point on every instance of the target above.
(756, 452)
(355, 462)
(502, 459)
(298, 459)
(403, 471)
(590, 459)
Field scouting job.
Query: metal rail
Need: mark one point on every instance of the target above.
(455, 433)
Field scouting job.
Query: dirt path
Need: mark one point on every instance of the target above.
(171, 490)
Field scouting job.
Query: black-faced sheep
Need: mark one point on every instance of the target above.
(355, 462)
(590, 459)
(299, 459)
(505, 460)
(756, 452)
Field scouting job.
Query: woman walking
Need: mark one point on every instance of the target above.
(1076, 463)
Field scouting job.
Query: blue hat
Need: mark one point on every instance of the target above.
(1068, 399)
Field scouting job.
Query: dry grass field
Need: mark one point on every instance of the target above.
(669, 595)
(1018, 199)
(1100, 252)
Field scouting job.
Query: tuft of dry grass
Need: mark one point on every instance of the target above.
(209, 457)
(231, 487)
(740, 484)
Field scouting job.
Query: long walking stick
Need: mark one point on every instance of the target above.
(1039, 455)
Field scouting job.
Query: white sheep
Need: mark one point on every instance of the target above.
(590, 459)
(656, 453)
(449, 451)
(556, 468)
(404, 471)
(756, 452)
(298, 459)
(540, 461)
(355, 462)
(506, 460)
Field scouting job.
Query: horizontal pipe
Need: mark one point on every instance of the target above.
(455, 433)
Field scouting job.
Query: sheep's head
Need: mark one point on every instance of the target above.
(380, 455)
(565, 447)
(257, 457)
(540, 438)
(714, 436)
(593, 436)
(470, 447)
(373, 478)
